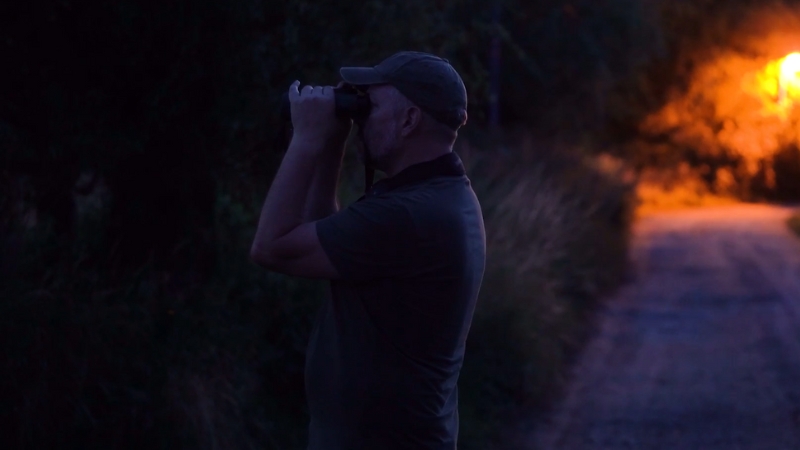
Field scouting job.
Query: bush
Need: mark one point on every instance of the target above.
(710, 105)
(659, 190)
(129, 190)
(787, 173)
(794, 223)
(100, 359)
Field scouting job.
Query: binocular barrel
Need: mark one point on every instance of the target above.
(348, 104)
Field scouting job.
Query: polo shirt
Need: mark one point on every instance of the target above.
(388, 343)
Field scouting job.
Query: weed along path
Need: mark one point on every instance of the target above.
(701, 350)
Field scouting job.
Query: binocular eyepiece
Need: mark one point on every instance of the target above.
(349, 101)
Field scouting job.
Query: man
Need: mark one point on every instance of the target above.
(405, 261)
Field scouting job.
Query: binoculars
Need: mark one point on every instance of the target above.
(350, 103)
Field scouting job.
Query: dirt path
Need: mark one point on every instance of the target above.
(702, 350)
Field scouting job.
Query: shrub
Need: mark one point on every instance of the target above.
(794, 223)
(709, 103)
(787, 173)
(97, 358)
(151, 358)
(658, 190)
(129, 314)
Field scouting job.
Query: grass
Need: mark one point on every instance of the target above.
(95, 357)
(557, 235)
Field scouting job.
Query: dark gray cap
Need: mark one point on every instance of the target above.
(428, 81)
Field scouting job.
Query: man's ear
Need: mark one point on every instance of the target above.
(412, 119)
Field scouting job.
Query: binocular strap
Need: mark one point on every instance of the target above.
(369, 177)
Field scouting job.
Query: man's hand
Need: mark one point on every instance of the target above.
(314, 117)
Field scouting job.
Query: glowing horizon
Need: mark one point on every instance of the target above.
(788, 81)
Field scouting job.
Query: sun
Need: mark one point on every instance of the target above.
(777, 84)
(788, 81)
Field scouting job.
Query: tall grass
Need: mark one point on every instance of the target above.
(557, 238)
(94, 356)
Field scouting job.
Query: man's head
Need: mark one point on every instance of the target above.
(418, 101)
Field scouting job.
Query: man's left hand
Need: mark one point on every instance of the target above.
(314, 116)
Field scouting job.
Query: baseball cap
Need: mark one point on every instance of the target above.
(429, 81)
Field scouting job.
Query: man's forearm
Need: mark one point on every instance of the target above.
(321, 198)
(284, 207)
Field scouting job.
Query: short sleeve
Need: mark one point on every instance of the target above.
(371, 239)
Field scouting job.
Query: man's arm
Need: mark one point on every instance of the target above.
(283, 208)
(321, 199)
(286, 239)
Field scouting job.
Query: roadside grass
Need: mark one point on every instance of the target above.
(557, 239)
(96, 357)
(794, 223)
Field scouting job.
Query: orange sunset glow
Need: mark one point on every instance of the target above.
(735, 104)
(778, 85)
(753, 101)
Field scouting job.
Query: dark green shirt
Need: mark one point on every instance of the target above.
(388, 344)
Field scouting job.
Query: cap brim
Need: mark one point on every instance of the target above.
(361, 76)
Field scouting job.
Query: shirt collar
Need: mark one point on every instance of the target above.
(448, 165)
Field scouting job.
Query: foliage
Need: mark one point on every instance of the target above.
(137, 141)
(659, 190)
(223, 358)
(100, 359)
(787, 172)
(607, 43)
(794, 223)
(710, 103)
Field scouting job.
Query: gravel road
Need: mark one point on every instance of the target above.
(701, 350)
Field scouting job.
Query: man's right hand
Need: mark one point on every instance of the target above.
(314, 117)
